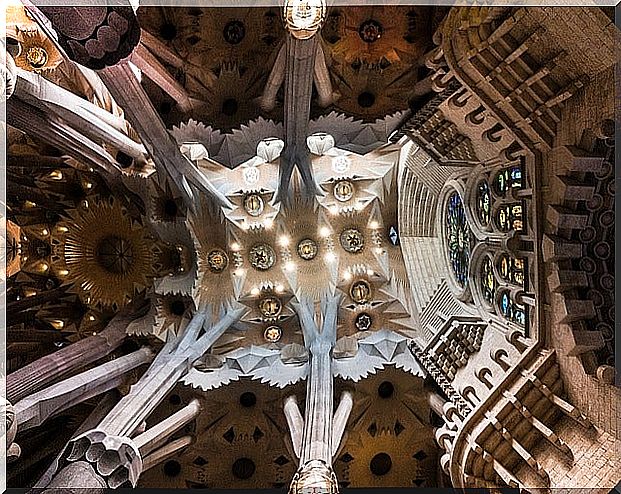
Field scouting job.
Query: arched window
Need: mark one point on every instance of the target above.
(508, 178)
(512, 269)
(488, 280)
(458, 238)
(483, 203)
(486, 229)
(509, 217)
(511, 310)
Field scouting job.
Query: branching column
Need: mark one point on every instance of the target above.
(127, 91)
(300, 62)
(319, 440)
(108, 449)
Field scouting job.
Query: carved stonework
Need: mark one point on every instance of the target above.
(314, 477)
(116, 459)
(96, 37)
(430, 366)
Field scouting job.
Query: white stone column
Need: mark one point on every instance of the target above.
(317, 448)
(127, 91)
(121, 464)
(36, 408)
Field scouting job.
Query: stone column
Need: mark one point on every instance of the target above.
(127, 91)
(121, 462)
(300, 61)
(315, 471)
(172, 363)
(51, 368)
(33, 410)
(93, 122)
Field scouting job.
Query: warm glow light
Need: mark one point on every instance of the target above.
(333, 210)
(359, 206)
(91, 318)
(347, 275)
(324, 232)
(58, 324)
(30, 204)
(62, 229)
(290, 266)
(56, 175)
(370, 272)
(374, 224)
(44, 232)
(283, 241)
(255, 291)
(244, 225)
(43, 267)
(85, 203)
(30, 293)
(136, 71)
(330, 257)
(280, 288)
(88, 185)
(239, 272)
(268, 223)
(63, 272)
(235, 246)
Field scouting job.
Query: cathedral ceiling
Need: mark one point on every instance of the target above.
(251, 200)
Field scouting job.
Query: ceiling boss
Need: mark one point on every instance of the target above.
(303, 18)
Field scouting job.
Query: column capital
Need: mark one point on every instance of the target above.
(115, 459)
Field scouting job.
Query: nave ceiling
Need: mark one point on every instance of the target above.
(344, 228)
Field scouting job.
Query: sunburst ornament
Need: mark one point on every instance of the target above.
(38, 53)
(107, 253)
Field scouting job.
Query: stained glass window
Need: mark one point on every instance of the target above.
(509, 217)
(512, 311)
(483, 203)
(488, 281)
(511, 269)
(509, 178)
(458, 235)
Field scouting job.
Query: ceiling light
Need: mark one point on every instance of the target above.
(330, 257)
(283, 241)
(374, 224)
(324, 232)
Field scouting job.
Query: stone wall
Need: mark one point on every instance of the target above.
(597, 458)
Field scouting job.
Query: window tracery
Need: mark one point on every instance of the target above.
(458, 237)
(486, 236)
